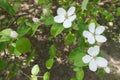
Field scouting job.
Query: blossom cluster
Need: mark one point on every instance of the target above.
(94, 61)
(92, 36)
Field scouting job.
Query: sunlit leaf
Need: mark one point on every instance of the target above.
(33, 77)
(35, 70)
(49, 63)
(6, 32)
(5, 38)
(84, 4)
(46, 76)
(80, 74)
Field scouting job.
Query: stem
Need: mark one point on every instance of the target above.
(25, 74)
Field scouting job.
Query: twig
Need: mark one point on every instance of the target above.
(40, 76)
(25, 74)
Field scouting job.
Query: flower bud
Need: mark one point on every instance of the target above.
(13, 34)
(35, 19)
(45, 11)
(107, 69)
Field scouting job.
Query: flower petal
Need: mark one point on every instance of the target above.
(71, 11)
(101, 62)
(89, 36)
(93, 51)
(67, 24)
(86, 59)
(92, 27)
(72, 18)
(91, 39)
(99, 30)
(59, 19)
(92, 66)
(61, 11)
(107, 69)
(100, 38)
(86, 34)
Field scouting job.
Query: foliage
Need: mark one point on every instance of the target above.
(78, 17)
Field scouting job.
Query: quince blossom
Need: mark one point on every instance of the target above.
(94, 61)
(65, 17)
(35, 20)
(13, 34)
(94, 35)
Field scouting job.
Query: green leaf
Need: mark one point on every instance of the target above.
(105, 13)
(11, 49)
(23, 30)
(70, 38)
(46, 76)
(16, 52)
(1, 79)
(76, 57)
(118, 11)
(33, 77)
(52, 51)
(2, 46)
(7, 7)
(14, 72)
(6, 32)
(81, 43)
(35, 70)
(48, 19)
(84, 4)
(82, 27)
(56, 29)
(17, 6)
(5, 38)
(34, 28)
(49, 63)
(23, 45)
(110, 17)
(30, 57)
(40, 1)
(80, 74)
(101, 72)
(3, 65)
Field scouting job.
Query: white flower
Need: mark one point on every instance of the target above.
(44, 11)
(13, 34)
(35, 20)
(95, 34)
(107, 69)
(94, 61)
(65, 17)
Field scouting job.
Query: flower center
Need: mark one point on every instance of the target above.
(94, 34)
(94, 57)
(66, 16)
